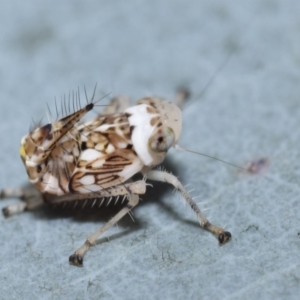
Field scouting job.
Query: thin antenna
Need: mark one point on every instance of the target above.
(211, 79)
(177, 147)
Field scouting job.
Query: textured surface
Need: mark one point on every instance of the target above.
(250, 111)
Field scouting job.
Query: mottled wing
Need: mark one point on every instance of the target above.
(104, 172)
(107, 157)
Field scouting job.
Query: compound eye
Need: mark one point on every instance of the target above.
(162, 140)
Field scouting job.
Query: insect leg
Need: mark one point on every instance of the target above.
(30, 195)
(137, 187)
(222, 235)
(77, 258)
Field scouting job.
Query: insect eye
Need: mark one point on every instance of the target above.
(162, 140)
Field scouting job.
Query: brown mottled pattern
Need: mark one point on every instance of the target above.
(118, 135)
(109, 164)
(63, 159)
(155, 120)
(110, 135)
(107, 174)
(152, 102)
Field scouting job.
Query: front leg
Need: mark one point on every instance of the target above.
(222, 235)
(77, 258)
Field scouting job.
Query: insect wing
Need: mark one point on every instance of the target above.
(105, 171)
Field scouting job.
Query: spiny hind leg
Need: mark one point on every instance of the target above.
(222, 235)
(117, 105)
(31, 197)
(77, 258)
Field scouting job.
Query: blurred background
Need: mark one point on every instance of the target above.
(241, 62)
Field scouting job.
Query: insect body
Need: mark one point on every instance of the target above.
(73, 160)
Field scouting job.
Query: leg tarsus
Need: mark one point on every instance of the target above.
(222, 235)
(76, 260)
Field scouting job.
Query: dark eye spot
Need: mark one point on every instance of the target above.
(160, 139)
(39, 169)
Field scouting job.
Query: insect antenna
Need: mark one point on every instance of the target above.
(183, 92)
(177, 147)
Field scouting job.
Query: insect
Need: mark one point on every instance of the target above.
(71, 160)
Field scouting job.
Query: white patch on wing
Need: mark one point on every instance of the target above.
(99, 147)
(98, 163)
(110, 149)
(90, 155)
(142, 131)
(105, 127)
(87, 180)
(52, 185)
(132, 169)
(68, 158)
(122, 145)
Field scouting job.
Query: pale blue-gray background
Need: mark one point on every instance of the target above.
(251, 110)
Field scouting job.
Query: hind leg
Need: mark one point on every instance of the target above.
(31, 197)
